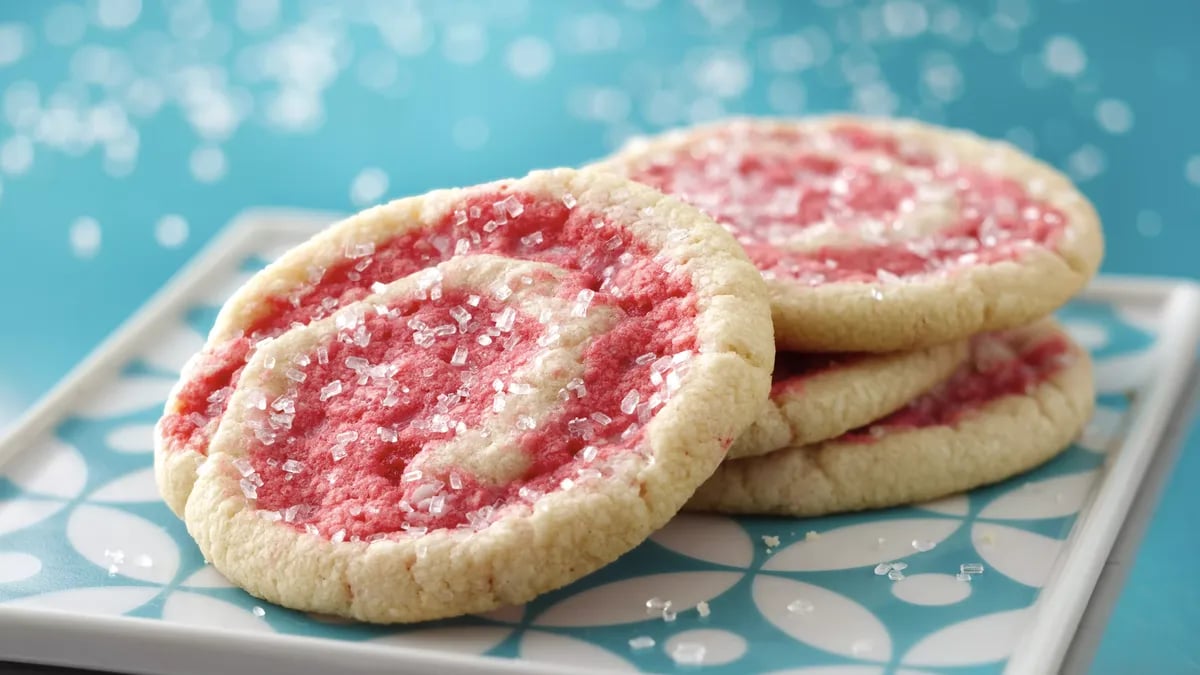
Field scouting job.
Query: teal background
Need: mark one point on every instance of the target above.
(881, 57)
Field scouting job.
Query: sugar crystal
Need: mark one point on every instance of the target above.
(356, 363)
(330, 390)
(437, 505)
(292, 466)
(387, 435)
(506, 318)
(962, 576)
(630, 401)
(656, 604)
(411, 475)
(249, 489)
(338, 452)
(526, 423)
(645, 358)
(269, 362)
(582, 301)
(601, 418)
(569, 201)
(923, 545)
(589, 452)
(322, 355)
(971, 568)
(882, 569)
(669, 615)
(243, 466)
(338, 537)
(771, 541)
(197, 419)
(460, 356)
(455, 481)
(702, 608)
(642, 641)
(295, 375)
(800, 606)
(895, 575)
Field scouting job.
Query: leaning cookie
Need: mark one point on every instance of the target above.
(658, 259)
(492, 426)
(1022, 399)
(815, 397)
(882, 235)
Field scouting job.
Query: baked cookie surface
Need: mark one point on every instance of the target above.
(458, 401)
(881, 235)
(1021, 398)
(815, 397)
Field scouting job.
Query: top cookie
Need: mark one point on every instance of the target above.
(881, 235)
(458, 401)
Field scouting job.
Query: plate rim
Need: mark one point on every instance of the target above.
(1042, 645)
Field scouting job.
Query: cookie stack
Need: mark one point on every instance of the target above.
(912, 271)
(461, 400)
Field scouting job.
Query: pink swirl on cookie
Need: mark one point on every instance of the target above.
(438, 402)
(488, 427)
(815, 397)
(614, 266)
(1000, 364)
(1018, 400)
(871, 210)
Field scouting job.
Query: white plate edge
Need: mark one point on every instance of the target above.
(1043, 643)
(1061, 603)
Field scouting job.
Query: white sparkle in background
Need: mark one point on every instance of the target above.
(1018, 11)
(171, 231)
(84, 235)
(116, 14)
(1149, 223)
(16, 155)
(1114, 116)
(295, 110)
(641, 5)
(590, 33)
(530, 57)
(470, 133)
(603, 104)
(790, 53)
(1086, 163)
(464, 43)
(941, 77)
(207, 164)
(65, 24)
(368, 186)
(786, 95)
(378, 70)
(875, 98)
(14, 39)
(22, 103)
(999, 34)
(905, 18)
(1063, 55)
(256, 15)
(724, 74)
(663, 108)
(1192, 170)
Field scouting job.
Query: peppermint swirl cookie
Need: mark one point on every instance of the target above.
(1021, 398)
(459, 401)
(815, 397)
(882, 235)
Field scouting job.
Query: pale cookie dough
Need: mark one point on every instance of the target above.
(882, 235)
(815, 397)
(931, 448)
(493, 425)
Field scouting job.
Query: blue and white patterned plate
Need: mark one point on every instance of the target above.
(82, 532)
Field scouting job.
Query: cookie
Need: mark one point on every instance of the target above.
(881, 235)
(1023, 396)
(815, 397)
(536, 375)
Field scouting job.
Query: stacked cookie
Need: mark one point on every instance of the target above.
(912, 273)
(461, 400)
